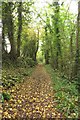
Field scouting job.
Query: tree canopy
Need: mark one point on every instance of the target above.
(42, 32)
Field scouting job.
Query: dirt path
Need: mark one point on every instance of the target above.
(32, 99)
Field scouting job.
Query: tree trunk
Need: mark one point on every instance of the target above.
(77, 41)
(56, 26)
(47, 57)
(19, 28)
(10, 27)
(3, 38)
(4, 52)
(37, 46)
(47, 50)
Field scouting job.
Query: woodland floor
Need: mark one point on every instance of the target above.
(34, 98)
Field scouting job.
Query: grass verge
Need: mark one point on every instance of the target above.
(66, 94)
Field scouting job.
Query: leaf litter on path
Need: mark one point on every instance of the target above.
(34, 98)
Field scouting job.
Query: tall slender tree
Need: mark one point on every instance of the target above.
(77, 40)
(8, 25)
(19, 10)
(57, 34)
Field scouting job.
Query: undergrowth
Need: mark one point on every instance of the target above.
(66, 94)
(14, 73)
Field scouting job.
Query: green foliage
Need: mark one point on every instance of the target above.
(5, 96)
(29, 43)
(40, 60)
(14, 73)
(56, 28)
(66, 94)
(30, 62)
(25, 62)
(59, 39)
